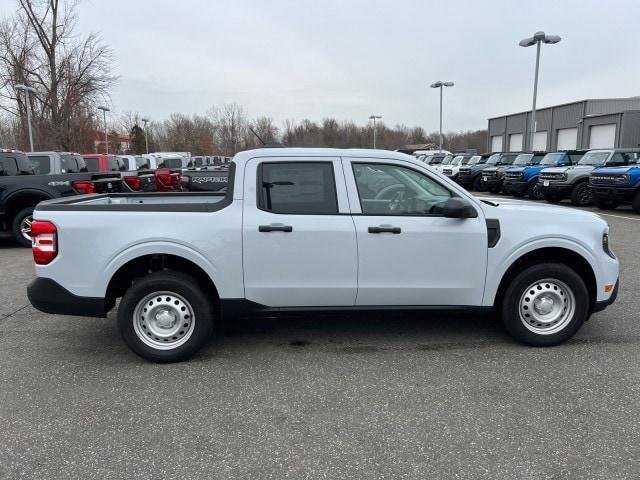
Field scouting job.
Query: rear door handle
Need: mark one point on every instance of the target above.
(395, 230)
(275, 228)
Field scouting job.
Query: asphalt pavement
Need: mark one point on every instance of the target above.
(382, 396)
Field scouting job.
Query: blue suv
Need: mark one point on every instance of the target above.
(613, 186)
(523, 180)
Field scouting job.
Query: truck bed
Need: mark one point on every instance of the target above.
(161, 201)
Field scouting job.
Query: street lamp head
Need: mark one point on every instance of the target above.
(104, 109)
(448, 84)
(539, 37)
(23, 87)
(144, 120)
(437, 84)
(375, 117)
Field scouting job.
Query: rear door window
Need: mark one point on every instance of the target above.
(297, 188)
(41, 163)
(8, 166)
(116, 164)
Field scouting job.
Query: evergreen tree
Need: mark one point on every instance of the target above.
(138, 145)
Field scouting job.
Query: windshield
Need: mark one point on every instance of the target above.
(421, 157)
(551, 158)
(457, 160)
(116, 164)
(475, 159)
(594, 159)
(170, 163)
(142, 163)
(493, 159)
(73, 163)
(435, 160)
(523, 159)
(447, 160)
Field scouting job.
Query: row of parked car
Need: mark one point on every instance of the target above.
(605, 177)
(27, 179)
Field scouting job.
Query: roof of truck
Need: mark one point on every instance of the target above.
(309, 153)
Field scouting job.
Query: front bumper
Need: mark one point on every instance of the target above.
(491, 182)
(599, 306)
(48, 296)
(518, 187)
(555, 189)
(612, 193)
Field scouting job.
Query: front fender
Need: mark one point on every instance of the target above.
(495, 274)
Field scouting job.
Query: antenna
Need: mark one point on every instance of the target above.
(257, 136)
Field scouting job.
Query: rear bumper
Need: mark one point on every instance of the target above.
(599, 306)
(48, 296)
(610, 193)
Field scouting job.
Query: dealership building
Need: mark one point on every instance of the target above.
(600, 123)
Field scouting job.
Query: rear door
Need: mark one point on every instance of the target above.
(299, 241)
(408, 252)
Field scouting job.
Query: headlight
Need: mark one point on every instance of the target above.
(605, 244)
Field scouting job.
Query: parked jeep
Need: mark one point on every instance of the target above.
(523, 180)
(469, 175)
(573, 181)
(493, 175)
(453, 169)
(613, 186)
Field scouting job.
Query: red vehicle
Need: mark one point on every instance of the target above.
(134, 181)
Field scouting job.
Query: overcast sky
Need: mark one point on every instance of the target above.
(295, 59)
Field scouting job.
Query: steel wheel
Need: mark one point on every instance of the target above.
(547, 306)
(25, 227)
(163, 320)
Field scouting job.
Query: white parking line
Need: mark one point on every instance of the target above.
(618, 216)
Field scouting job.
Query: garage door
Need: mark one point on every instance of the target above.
(567, 138)
(515, 142)
(539, 142)
(602, 136)
(496, 143)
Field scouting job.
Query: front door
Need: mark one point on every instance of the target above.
(299, 241)
(408, 252)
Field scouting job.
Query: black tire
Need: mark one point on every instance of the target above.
(510, 309)
(534, 192)
(606, 203)
(174, 283)
(635, 203)
(552, 198)
(16, 226)
(581, 195)
(477, 184)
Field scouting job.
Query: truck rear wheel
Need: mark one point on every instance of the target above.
(477, 184)
(545, 305)
(165, 317)
(21, 226)
(581, 195)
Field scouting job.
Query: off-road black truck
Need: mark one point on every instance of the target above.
(23, 186)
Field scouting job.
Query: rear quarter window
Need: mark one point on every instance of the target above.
(92, 164)
(41, 163)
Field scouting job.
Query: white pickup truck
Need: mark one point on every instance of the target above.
(317, 229)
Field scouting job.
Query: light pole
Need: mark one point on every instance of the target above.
(439, 84)
(26, 91)
(146, 137)
(374, 118)
(537, 39)
(106, 137)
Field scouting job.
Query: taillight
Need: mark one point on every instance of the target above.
(44, 241)
(133, 182)
(84, 187)
(167, 180)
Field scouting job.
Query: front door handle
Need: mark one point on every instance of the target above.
(275, 228)
(389, 229)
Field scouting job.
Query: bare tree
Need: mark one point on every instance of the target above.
(71, 75)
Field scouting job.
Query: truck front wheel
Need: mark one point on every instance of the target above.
(21, 226)
(165, 317)
(581, 195)
(545, 305)
(534, 192)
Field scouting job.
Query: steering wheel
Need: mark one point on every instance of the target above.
(398, 202)
(389, 192)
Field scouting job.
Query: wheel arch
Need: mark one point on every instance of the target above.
(565, 256)
(142, 265)
(23, 199)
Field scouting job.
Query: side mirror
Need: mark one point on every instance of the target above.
(456, 207)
